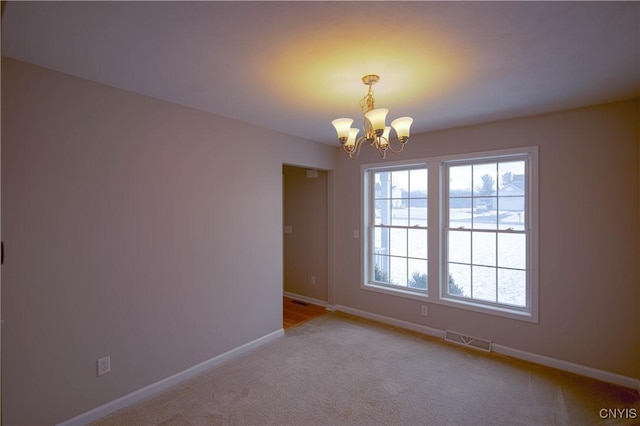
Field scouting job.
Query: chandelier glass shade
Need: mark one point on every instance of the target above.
(376, 132)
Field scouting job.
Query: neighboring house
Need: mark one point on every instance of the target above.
(511, 197)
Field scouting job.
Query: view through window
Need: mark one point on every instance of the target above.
(484, 230)
(400, 227)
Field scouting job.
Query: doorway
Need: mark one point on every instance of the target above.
(305, 238)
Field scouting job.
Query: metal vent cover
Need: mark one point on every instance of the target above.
(469, 341)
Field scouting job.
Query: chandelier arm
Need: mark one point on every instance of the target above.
(355, 153)
(379, 146)
(402, 144)
(344, 147)
(359, 144)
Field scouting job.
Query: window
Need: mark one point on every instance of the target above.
(397, 228)
(486, 231)
(483, 256)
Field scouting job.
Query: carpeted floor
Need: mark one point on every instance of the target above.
(337, 370)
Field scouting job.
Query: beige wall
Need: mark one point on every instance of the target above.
(133, 228)
(305, 249)
(588, 254)
(129, 224)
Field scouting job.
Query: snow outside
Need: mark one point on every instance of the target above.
(485, 235)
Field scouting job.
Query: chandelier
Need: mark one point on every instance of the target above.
(376, 133)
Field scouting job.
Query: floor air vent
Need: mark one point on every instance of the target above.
(471, 342)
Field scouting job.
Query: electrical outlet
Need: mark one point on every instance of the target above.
(425, 310)
(104, 365)
(313, 280)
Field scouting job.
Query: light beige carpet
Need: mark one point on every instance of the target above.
(341, 370)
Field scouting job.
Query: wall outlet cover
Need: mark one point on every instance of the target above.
(104, 365)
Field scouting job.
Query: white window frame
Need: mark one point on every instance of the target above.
(368, 191)
(437, 215)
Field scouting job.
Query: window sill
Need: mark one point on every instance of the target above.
(496, 311)
(398, 292)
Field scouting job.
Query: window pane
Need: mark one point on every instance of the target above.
(398, 239)
(398, 271)
(400, 213)
(512, 287)
(381, 268)
(418, 183)
(484, 213)
(460, 212)
(460, 181)
(417, 243)
(460, 246)
(512, 251)
(511, 174)
(381, 241)
(418, 274)
(484, 248)
(459, 280)
(382, 214)
(418, 212)
(417, 202)
(484, 179)
(511, 212)
(400, 182)
(484, 283)
(382, 184)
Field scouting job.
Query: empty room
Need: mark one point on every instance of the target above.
(223, 212)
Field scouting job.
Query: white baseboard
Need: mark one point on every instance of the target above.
(159, 386)
(306, 299)
(570, 367)
(392, 321)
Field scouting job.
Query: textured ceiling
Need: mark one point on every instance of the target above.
(295, 66)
